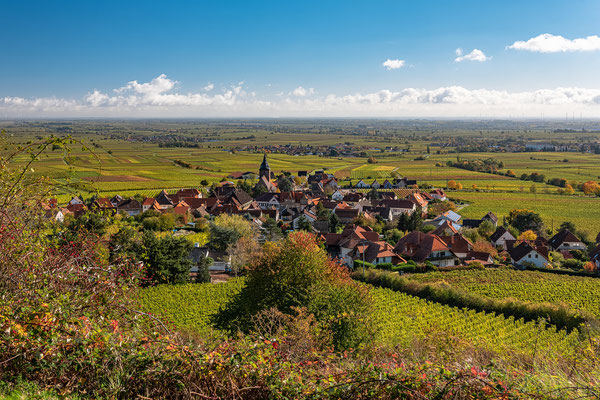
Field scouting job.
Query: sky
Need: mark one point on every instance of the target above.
(394, 59)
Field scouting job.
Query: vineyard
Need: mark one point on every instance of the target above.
(579, 293)
(190, 306)
(369, 171)
(403, 318)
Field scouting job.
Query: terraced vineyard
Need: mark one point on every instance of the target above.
(403, 317)
(579, 293)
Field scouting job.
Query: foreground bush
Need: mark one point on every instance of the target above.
(295, 273)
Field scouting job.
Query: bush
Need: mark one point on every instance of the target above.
(296, 274)
(359, 264)
(573, 264)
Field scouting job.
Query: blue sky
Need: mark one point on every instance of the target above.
(256, 54)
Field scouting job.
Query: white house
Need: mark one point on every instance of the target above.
(500, 236)
(525, 253)
(268, 201)
(337, 195)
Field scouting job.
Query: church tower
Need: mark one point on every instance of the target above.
(264, 169)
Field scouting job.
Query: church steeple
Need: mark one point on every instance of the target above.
(264, 169)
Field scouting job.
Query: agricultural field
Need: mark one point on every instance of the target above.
(578, 293)
(401, 318)
(189, 307)
(128, 159)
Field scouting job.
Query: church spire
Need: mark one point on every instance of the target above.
(264, 169)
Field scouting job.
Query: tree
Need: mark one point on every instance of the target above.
(371, 160)
(122, 244)
(271, 230)
(245, 186)
(525, 220)
(323, 214)
(428, 150)
(241, 253)
(166, 259)
(304, 224)
(285, 185)
(459, 186)
(203, 275)
(228, 229)
(415, 221)
(590, 187)
(486, 228)
(569, 189)
(568, 225)
(403, 222)
(452, 184)
(204, 182)
(528, 236)
(334, 222)
(393, 235)
(373, 194)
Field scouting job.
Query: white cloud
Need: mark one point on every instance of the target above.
(208, 87)
(301, 92)
(474, 55)
(160, 98)
(548, 43)
(393, 64)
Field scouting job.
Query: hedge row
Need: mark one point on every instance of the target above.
(564, 272)
(560, 316)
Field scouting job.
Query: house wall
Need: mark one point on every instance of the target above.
(533, 257)
(502, 240)
(571, 246)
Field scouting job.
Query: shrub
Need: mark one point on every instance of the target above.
(296, 273)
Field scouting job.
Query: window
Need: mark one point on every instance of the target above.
(536, 256)
(529, 255)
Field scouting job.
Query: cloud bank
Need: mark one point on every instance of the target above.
(393, 64)
(160, 98)
(548, 43)
(475, 55)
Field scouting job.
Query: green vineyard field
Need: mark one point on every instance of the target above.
(401, 319)
(578, 293)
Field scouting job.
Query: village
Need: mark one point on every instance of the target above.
(390, 225)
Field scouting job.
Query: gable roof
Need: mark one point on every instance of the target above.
(524, 248)
(491, 216)
(418, 245)
(498, 234)
(441, 230)
(563, 236)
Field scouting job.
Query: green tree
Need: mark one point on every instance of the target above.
(334, 222)
(203, 275)
(166, 259)
(226, 230)
(285, 185)
(271, 230)
(486, 228)
(304, 224)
